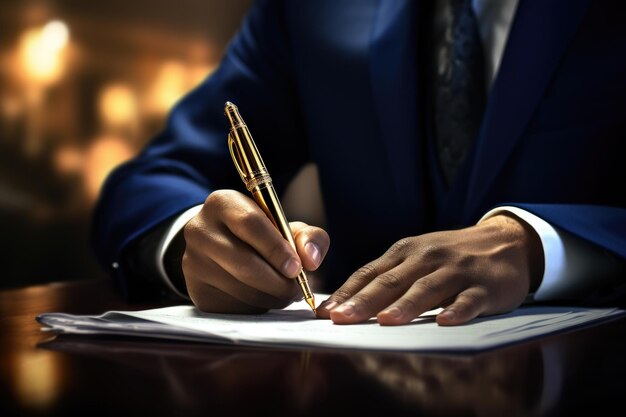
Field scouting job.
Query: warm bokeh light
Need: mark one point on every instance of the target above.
(42, 51)
(68, 160)
(12, 108)
(103, 154)
(83, 87)
(117, 105)
(168, 87)
(55, 35)
(36, 378)
(172, 81)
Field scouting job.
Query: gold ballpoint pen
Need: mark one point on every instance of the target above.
(254, 174)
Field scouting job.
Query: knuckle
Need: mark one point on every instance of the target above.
(470, 301)
(390, 280)
(409, 305)
(433, 252)
(278, 252)
(200, 236)
(465, 262)
(427, 285)
(399, 247)
(464, 305)
(217, 198)
(477, 297)
(195, 233)
(247, 220)
(366, 272)
(342, 294)
(191, 229)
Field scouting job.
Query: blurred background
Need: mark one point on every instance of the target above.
(83, 86)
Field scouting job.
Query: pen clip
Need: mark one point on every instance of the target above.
(237, 159)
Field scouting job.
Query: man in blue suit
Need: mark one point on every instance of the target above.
(537, 206)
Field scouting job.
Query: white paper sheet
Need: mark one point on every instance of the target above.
(295, 326)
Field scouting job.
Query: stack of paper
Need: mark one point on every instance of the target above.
(295, 326)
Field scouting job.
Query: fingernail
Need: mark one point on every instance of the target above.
(393, 311)
(313, 252)
(448, 314)
(346, 309)
(291, 267)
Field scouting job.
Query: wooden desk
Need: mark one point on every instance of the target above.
(565, 374)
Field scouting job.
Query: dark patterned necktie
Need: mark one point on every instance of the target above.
(459, 83)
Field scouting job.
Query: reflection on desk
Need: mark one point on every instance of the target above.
(563, 374)
(482, 385)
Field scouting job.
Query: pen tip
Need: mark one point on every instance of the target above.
(311, 303)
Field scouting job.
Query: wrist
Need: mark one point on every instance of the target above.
(517, 230)
(173, 263)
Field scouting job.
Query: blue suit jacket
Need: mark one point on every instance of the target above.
(340, 83)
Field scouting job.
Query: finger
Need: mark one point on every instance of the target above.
(202, 272)
(212, 300)
(245, 220)
(241, 262)
(312, 243)
(467, 306)
(428, 292)
(356, 282)
(378, 294)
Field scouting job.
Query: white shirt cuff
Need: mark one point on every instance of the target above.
(164, 244)
(572, 265)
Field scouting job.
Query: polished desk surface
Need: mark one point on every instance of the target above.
(572, 373)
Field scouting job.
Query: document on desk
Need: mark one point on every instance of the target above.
(295, 326)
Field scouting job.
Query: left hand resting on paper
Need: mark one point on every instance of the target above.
(481, 270)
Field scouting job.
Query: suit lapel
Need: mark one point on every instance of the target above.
(538, 38)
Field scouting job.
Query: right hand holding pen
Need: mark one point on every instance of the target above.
(236, 261)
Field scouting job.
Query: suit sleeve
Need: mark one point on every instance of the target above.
(591, 250)
(185, 162)
(574, 269)
(603, 226)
